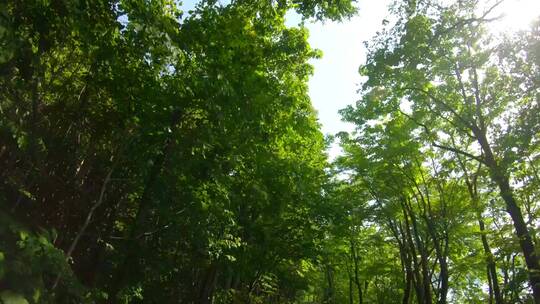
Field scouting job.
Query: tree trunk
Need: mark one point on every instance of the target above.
(426, 278)
(443, 275)
(427, 216)
(503, 182)
(408, 283)
(351, 297)
(138, 228)
(356, 274)
(472, 187)
(406, 264)
(492, 268)
(208, 285)
(329, 292)
(416, 270)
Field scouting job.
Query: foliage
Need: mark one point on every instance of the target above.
(154, 155)
(177, 156)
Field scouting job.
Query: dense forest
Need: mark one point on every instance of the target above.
(154, 155)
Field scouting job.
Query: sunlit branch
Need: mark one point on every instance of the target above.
(468, 21)
(458, 151)
(443, 104)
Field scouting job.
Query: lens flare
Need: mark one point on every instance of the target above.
(516, 15)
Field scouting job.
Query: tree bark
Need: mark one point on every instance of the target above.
(408, 282)
(329, 293)
(351, 297)
(427, 215)
(423, 292)
(356, 274)
(208, 285)
(406, 263)
(492, 268)
(506, 192)
(137, 228)
(83, 228)
(426, 278)
(472, 188)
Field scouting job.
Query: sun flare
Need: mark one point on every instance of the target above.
(516, 15)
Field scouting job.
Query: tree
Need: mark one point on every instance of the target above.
(439, 67)
(165, 149)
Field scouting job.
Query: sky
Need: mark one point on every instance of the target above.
(336, 79)
(515, 15)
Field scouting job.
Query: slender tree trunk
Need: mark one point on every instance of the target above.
(503, 182)
(83, 228)
(443, 275)
(97, 267)
(406, 266)
(490, 285)
(418, 281)
(427, 215)
(426, 281)
(408, 282)
(492, 268)
(351, 292)
(472, 187)
(329, 293)
(208, 285)
(356, 274)
(137, 228)
(506, 276)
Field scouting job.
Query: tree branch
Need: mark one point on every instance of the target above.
(86, 222)
(458, 151)
(443, 104)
